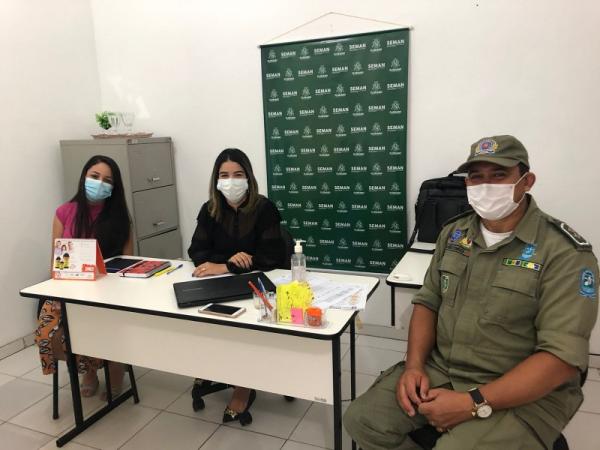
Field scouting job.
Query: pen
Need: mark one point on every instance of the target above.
(162, 272)
(260, 294)
(262, 286)
(173, 269)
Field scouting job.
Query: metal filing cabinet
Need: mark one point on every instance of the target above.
(149, 182)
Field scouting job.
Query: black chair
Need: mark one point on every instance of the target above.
(427, 436)
(202, 388)
(55, 387)
(289, 247)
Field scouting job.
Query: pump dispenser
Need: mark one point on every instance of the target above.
(298, 262)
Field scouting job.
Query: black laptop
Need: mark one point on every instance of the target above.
(219, 290)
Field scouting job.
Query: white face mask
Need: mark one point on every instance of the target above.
(233, 189)
(493, 201)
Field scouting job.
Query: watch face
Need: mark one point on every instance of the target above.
(484, 411)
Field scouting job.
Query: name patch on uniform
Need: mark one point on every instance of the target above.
(587, 284)
(528, 251)
(522, 263)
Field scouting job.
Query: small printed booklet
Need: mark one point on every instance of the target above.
(144, 269)
(77, 259)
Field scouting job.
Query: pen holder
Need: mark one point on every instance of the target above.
(256, 300)
(266, 313)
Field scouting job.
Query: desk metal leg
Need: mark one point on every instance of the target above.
(393, 318)
(136, 397)
(82, 424)
(352, 365)
(55, 393)
(72, 367)
(108, 383)
(352, 359)
(337, 394)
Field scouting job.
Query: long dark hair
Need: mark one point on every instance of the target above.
(113, 224)
(217, 201)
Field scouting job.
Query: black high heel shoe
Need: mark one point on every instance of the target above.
(244, 417)
(200, 389)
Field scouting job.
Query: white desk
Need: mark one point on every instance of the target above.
(137, 321)
(409, 273)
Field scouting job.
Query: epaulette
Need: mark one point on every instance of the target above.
(578, 240)
(458, 216)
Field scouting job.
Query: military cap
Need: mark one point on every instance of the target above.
(504, 150)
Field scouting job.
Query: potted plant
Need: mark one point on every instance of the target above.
(103, 119)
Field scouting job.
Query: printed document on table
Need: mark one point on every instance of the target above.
(328, 294)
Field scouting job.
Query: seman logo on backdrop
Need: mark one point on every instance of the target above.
(395, 65)
(375, 45)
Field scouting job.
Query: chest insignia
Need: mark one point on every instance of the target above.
(460, 243)
(587, 284)
(466, 243)
(528, 251)
(456, 235)
(521, 263)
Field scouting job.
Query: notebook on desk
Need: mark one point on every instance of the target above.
(218, 290)
(115, 265)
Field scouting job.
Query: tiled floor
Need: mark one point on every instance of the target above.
(164, 419)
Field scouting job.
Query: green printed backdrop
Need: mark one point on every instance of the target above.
(335, 131)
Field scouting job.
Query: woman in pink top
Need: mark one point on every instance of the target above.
(98, 210)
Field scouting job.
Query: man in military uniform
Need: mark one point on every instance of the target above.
(500, 330)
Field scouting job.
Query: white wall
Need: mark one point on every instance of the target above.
(191, 70)
(477, 68)
(49, 90)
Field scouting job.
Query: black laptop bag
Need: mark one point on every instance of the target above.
(439, 200)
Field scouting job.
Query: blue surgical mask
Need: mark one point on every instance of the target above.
(96, 190)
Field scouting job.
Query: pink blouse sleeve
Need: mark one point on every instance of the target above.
(63, 212)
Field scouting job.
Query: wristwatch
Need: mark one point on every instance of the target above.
(481, 407)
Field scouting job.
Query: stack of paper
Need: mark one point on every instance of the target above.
(328, 294)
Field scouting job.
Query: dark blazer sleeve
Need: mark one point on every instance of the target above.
(270, 247)
(202, 247)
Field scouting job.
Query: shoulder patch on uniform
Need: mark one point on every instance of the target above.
(458, 216)
(580, 242)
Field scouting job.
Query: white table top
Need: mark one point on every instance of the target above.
(155, 295)
(411, 269)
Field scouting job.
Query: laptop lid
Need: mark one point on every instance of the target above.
(218, 290)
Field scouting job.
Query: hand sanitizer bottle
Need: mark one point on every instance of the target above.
(298, 262)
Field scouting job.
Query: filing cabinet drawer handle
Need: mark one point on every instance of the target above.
(160, 223)
(153, 179)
